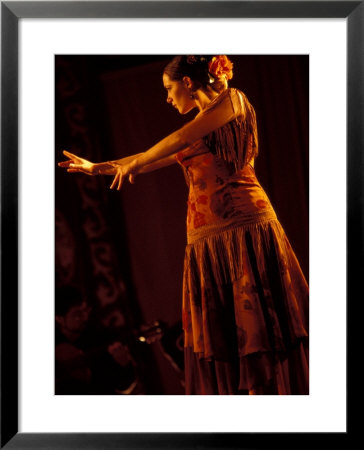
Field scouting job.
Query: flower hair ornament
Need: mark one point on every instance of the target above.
(220, 66)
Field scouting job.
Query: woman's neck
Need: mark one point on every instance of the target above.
(203, 98)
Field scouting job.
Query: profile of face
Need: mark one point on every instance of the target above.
(178, 94)
(75, 319)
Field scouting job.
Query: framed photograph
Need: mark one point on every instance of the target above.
(50, 52)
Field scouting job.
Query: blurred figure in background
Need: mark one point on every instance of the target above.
(87, 359)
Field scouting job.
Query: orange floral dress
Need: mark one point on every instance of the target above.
(245, 298)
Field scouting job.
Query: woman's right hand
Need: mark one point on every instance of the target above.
(77, 164)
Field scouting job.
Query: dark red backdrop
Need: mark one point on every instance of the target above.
(125, 250)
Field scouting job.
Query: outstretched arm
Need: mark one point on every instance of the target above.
(227, 106)
(77, 164)
(163, 162)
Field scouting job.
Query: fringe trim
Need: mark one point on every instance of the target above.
(205, 231)
(237, 141)
(223, 253)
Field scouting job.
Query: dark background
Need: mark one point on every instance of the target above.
(124, 250)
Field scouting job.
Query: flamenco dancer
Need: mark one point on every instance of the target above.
(245, 298)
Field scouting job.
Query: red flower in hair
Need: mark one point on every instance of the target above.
(221, 65)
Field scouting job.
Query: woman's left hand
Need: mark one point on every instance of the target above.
(122, 172)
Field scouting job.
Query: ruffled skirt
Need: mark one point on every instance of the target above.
(245, 313)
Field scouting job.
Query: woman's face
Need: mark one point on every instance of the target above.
(178, 95)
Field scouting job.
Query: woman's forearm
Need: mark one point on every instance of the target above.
(108, 167)
(162, 151)
(158, 156)
(126, 160)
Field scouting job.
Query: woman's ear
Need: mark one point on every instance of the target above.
(187, 82)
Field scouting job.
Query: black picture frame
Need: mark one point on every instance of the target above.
(11, 12)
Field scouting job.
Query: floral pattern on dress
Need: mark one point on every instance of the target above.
(215, 194)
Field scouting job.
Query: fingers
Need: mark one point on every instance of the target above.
(121, 179)
(70, 155)
(115, 181)
(64, 163)
(75, 168)
(72, 159)
(118, 180)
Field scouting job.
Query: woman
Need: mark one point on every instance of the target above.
(245, 299)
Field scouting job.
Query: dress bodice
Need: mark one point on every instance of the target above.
(218, 193)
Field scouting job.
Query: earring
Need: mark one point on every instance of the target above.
(192, 95)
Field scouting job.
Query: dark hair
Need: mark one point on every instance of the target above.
(195, 67)
(67, 297)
